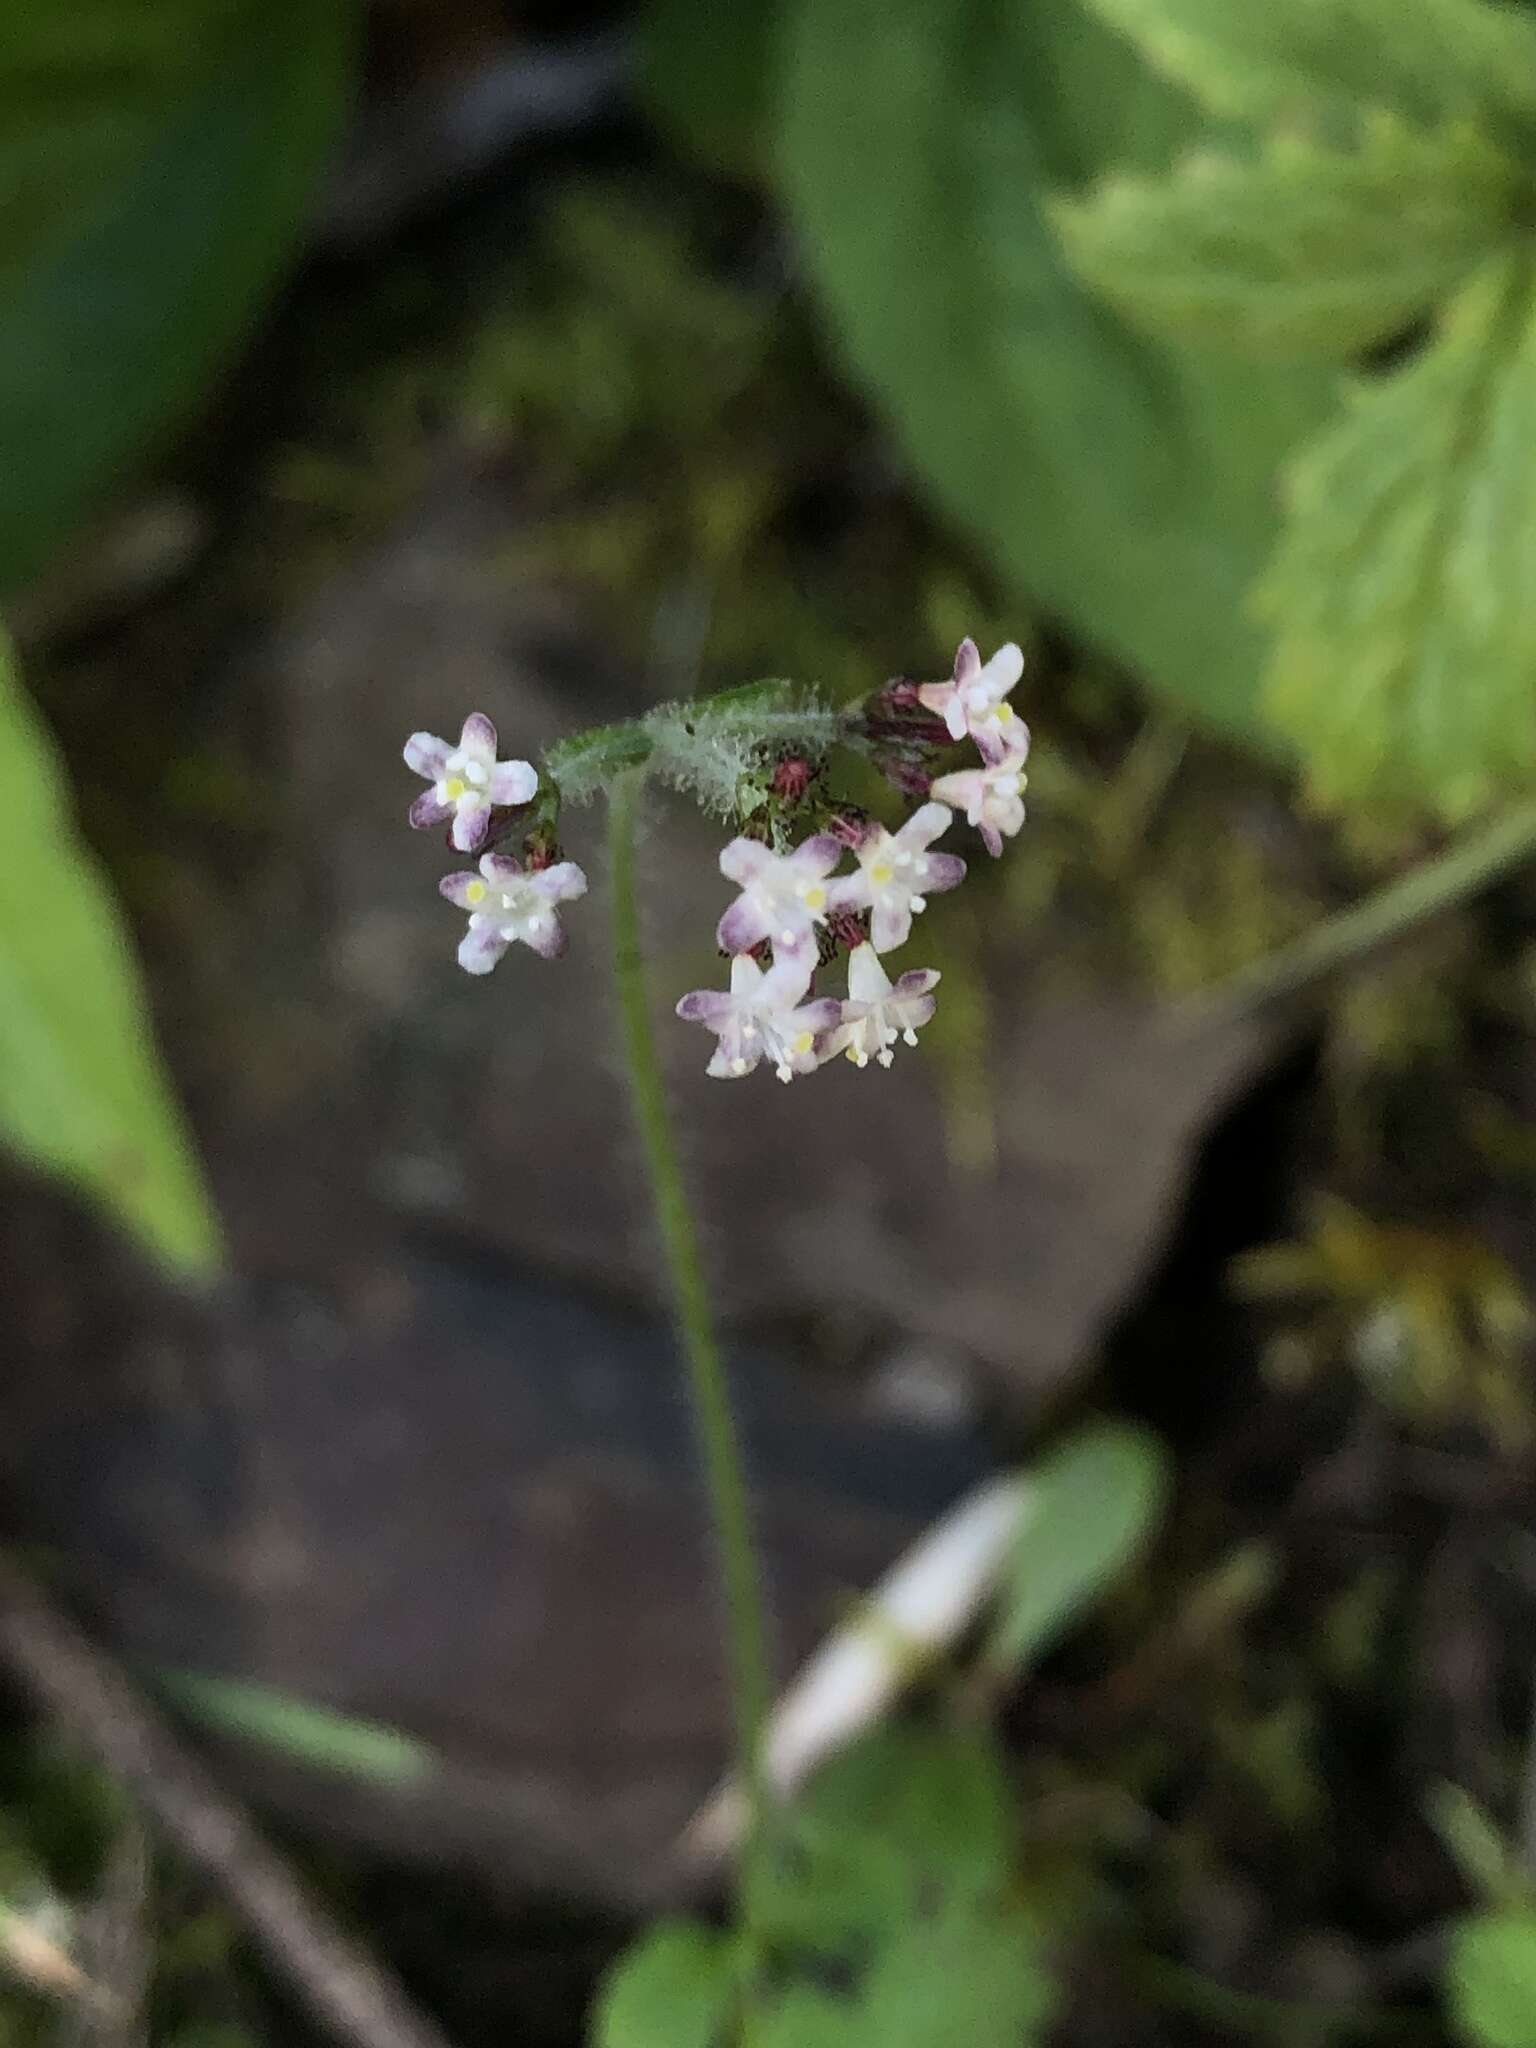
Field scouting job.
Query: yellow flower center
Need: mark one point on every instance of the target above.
(814, 897)
(881, 873)
(454, 788)
(803, 1043)
(475, 893)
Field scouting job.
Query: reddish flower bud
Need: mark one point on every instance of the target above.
(848, 825)
(792, 777)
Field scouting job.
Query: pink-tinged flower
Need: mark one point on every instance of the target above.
(876, 1014)
(897, 874)
(763, 1017)
(507, 906)
(976, 702)
(991, 797)
(466, 781)
(783, 895)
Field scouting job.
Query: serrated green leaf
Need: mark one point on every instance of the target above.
(1093, 1506)
(1492, 1980)
(673, 1989)
(156, 161)
(81, 1091)
(1402, 594)
(1434, 61)
(1302, 249)
(1122, 483)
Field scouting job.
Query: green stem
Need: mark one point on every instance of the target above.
(708, 1386)
(1439, 884)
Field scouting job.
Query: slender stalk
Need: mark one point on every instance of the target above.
(1472, 864)
(708, 1387)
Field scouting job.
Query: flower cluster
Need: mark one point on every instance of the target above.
(793, 905)
(814, 878)
(509, 902)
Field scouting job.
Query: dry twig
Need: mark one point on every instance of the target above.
(84, 1691)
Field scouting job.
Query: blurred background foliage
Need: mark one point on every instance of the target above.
(1207, 337)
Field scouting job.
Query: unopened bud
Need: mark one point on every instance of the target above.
(792, 777)
(848, 825)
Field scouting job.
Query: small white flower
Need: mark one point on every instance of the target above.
(763, 1017)
(992, 797)
(976, 701)
(783, 896)
(876, 1014)
(508, 905)
(466, 780)
(897, 874)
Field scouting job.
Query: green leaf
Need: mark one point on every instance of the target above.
(897, 1882)
(1488, 1865)
(156, 162)
(968, 1976)
(1122, 483)
(1433, 61)
(907, 1815)
(81, 1091)
(299, 1729)
(1402, 595)
(1093, 1507)
(1492, 1980)
(1305, 249)
(673, 1989)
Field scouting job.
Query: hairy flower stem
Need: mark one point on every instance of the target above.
(709, 1390)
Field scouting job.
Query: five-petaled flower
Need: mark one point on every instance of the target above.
(507, 905)
(976, 701)
(876, 1014)
(991, 796)
(783, 895)
(897, 874)
(466, 781)
(764, 1016)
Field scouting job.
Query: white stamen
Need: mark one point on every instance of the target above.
(738, 1066)
(919, 902)
(886, 1057)
(910, 1036)
(784, 1073)
(475, 773)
